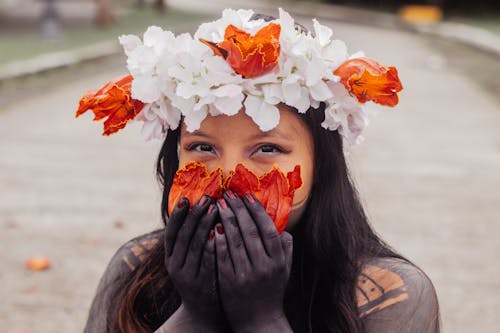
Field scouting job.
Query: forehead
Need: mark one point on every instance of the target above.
(241, 126)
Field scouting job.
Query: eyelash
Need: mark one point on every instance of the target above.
(194, 146)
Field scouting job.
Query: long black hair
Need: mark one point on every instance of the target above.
(331, 241)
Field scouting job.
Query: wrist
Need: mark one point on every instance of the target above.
(209, 322)
(274, 324)
(182, 321)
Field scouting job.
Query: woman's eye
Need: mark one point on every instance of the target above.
(201, 147)
(269, 150)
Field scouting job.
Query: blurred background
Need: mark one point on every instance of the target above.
(427, 172)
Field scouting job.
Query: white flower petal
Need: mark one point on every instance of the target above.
(320, 91)
(273, 93)
(303, 103)
(194, 118)
(145, 89)
(265, 115)
(323, 33)
(229, 105)
(151, 130)
(142, 61)
(129, 43)
(291, 93)
(170, 114)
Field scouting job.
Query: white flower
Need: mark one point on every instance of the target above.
(146, 88)
(214, 31)
(129, 43)
(157, 118)
(265, 115)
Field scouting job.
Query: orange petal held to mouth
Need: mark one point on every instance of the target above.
(113, 100)
(250, 56)
(192, 182)
(369, 80)
(274, 190)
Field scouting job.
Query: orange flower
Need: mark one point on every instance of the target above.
(113, 100)
(192, 182)
(274, 190)
(250, 56)
(369, 80)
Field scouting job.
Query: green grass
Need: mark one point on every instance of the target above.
(21, 46)
(489, 23)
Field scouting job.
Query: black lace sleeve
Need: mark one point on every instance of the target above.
(126, 258)
(395, 296)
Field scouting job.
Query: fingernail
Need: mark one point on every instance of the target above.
(202, 200)
(211, 235)
(250, 198)
(220, 229)
(231, 194)
(211, 209)
(223, 203)
(181, 203)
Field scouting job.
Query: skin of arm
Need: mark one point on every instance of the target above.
(182, 322)
(396, 296)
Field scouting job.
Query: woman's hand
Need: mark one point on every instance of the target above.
(253, 264)
(190, 262)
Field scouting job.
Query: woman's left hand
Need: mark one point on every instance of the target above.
(190, 262)
(253, 263)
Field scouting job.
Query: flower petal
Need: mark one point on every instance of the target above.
(265, 115)
(111, 101)
(369, 80)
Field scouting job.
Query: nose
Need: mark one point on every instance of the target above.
(228, 163)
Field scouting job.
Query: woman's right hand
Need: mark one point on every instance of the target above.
(190, 262)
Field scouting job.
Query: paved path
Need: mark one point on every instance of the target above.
(427, 172)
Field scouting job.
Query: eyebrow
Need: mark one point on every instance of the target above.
(200, 133)
(274, 133)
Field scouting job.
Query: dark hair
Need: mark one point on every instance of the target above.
(331, 242)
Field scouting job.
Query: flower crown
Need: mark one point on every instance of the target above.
(238, 61)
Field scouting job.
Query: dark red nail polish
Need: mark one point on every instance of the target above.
(231, 194)
(220, 229)
(211, 235)
(250, 198)
(211, 209)
(223, 203)
(202, 200)
(181, 203)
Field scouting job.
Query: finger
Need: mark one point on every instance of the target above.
(207, 266)
(187, 230)
(225, 269)
(248, 229)
(235, 243)
(197, 245)
(174, 223)
(267, 229)
(287, 243)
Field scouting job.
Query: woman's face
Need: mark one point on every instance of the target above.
(224, 141)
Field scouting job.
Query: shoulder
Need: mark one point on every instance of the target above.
(128, 257)
(131, 253)
(125, 260)
(392, 288)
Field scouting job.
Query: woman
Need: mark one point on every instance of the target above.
(221, 264)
